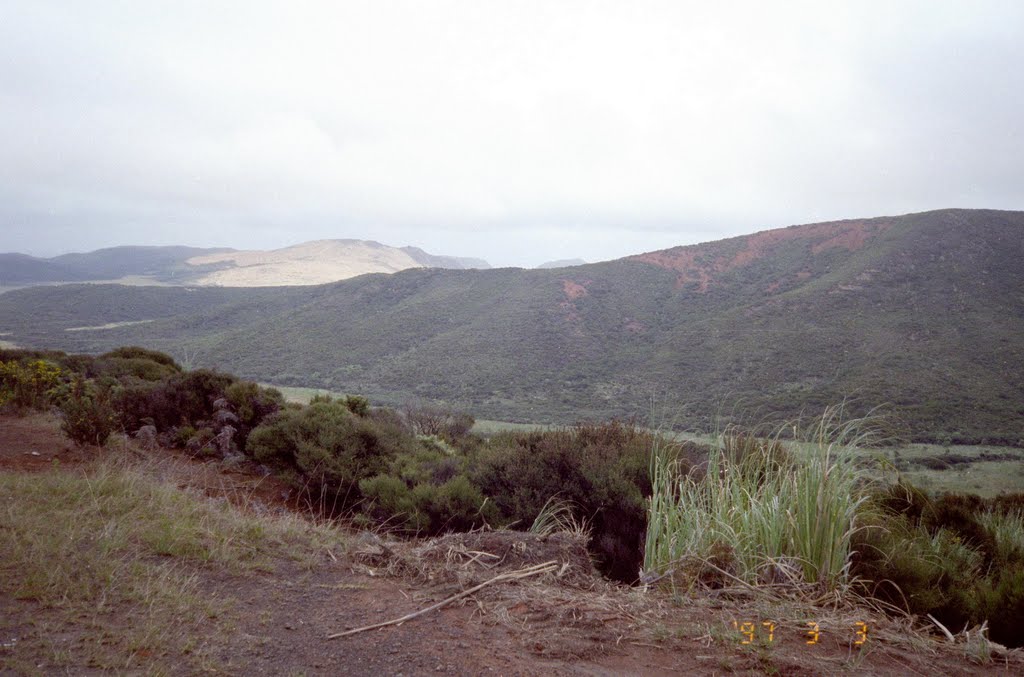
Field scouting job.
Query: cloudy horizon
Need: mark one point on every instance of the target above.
(513, 132)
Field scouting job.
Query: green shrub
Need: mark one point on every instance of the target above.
(390, 502)
(135, 352)
(601, 469)
(201, 443)
(459, 505)
(251, 404)
(960, 514)
(357, 404)
(1004, 607)
(87, 416)
(181, 436)
(429, 420)
(182, 399)
(425, 509)
(128, 368)
(1009, 503)
(903, 498)
(958, 558)
(919, 571)
(327, 450)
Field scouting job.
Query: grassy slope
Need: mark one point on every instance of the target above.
(111, 557)
(927, 314)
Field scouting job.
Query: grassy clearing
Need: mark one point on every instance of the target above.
(985, 471)
(103, 565)
(760, 513)
(302, 395)
(488, 427)
(984, 478)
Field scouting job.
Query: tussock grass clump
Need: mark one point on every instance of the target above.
(558, 516)
(759, 512)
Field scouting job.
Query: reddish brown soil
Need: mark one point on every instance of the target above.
(574, 290)
(34, 442)
(574, 624)
(850, 235)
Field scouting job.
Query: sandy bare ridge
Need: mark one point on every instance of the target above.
(317, 262)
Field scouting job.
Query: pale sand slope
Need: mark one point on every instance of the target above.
(317, 262)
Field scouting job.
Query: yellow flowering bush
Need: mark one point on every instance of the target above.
(25, 385)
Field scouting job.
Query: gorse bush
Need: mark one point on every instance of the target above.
(25, 384)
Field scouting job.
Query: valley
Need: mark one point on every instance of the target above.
(921, 314)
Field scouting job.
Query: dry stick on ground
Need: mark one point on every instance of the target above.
(515, 575)
(945, 631)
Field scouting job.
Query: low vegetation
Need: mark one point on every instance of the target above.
(759, 513)
(111, 545)
(957, 557)
(810, 511)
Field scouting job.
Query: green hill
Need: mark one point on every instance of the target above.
(159, 263)
(924, 312)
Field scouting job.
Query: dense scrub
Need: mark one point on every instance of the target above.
(957, 557)
(601, 470)
(140, 392)
(329, 449)
(752, 507)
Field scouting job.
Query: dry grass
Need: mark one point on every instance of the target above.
(104, 560)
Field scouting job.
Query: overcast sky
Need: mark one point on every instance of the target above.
(513, 131)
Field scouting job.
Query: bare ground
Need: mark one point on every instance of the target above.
(568, 621)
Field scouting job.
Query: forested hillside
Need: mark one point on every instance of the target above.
(923, 312)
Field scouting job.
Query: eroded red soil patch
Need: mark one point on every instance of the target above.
(574, 290)
(849, 235)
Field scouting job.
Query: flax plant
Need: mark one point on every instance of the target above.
(760, 505)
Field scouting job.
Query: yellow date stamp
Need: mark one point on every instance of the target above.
(765, 632)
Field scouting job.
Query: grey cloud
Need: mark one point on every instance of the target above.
(515, 132)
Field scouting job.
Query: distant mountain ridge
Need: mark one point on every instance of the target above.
(562, 263)
(450, 262)
(921, 312)
(309, 263)
(163, 264)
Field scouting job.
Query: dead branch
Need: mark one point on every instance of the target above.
(515, 575)
(946, 632)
